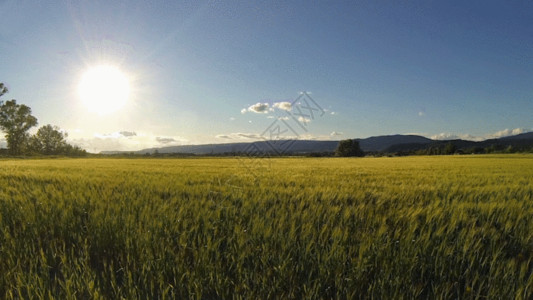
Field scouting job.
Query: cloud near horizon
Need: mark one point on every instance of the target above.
(257, 137)
(163, 140)
(499, 134)
(122, 141)
(128, 133)
(133, 141)
(239, 135)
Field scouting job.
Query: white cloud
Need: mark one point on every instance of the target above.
(258, 108)
(270, 117)
(284, 118)
(469, 137)
(304, 120)
(264, 108)
(421, 113)
(335, 133)
(333, 113)
(283, 105)
(232, 119)
(508, 132)
(122, 141)
(239, 136)
(444, 136)
(320, 137)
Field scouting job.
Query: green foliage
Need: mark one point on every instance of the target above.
(347, 148)
(450, 227)
(15, 121)
(50, 140)
(3, 89)
(450, 148)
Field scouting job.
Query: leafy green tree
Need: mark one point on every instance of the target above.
(70, 150)
(48, 140)
(15, 121)
(349, 148)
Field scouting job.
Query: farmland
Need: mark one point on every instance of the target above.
(204, 228)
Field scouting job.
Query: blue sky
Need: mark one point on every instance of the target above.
(441, 69)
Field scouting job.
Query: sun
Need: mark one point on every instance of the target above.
(104, 89)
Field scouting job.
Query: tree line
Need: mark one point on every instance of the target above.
(16, 120)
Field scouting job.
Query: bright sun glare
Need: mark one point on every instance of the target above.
(104, 89)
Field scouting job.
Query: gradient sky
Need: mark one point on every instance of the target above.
(441, 69)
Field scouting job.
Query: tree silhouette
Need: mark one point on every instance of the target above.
(349, 148)
(48, 140)
(3, 89)
(15, 121)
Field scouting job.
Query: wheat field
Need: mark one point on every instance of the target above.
(247, 228)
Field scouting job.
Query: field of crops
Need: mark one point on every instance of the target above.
(389, 228)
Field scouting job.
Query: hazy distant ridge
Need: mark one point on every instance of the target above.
(385, 143)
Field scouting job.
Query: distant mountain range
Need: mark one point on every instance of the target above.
(380, 144)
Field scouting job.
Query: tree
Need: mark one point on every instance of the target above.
(15, 121)
(48, 140)
(348, 148)
(3, 89)
(70, 150)
(450, 148)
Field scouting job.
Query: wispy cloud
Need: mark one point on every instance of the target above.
(335, 133)
(508, 132)
(495, 135)
(444, 136)
(128, 133)
(249, 135)
(165, 140)
(304, 120)
(223, 136)
(122, 141)
(240, 136)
